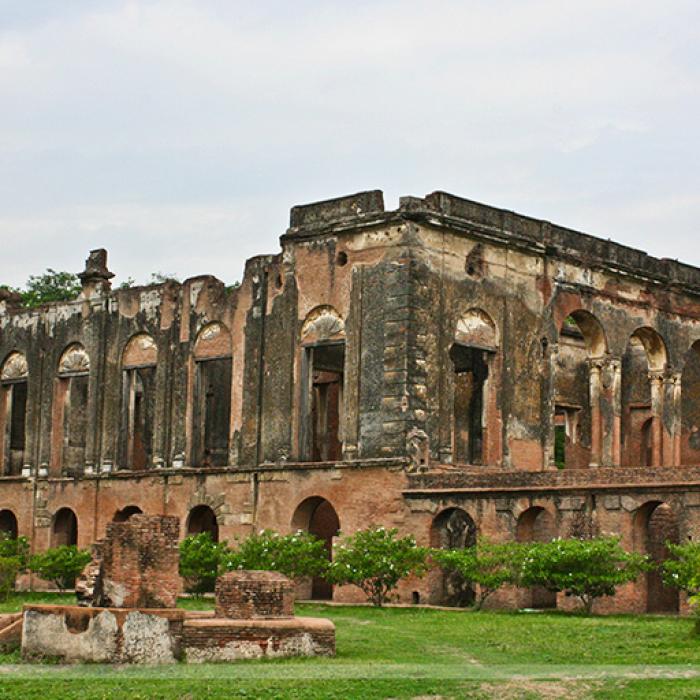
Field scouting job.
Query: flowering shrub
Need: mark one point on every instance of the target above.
(200, 561)
(489, 565)
(297, 555)
(587, 569)
(682, 571)
(375, 560)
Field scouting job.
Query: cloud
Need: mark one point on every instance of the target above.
(178, 133)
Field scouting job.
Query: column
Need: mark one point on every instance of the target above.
(656, 381)
(595, 366)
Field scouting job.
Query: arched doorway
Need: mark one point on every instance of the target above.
(8, 524)
(317, 516)
(454, 528)
(203, 519)
(121, 516)
(536, 524)
(655, 525)
(65, 528)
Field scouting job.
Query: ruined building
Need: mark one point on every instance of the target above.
(447, 368)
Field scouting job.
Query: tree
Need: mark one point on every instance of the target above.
(296, 555)
(586, 569)
(51, 286)
(200, 561)
(9, 568)
(375, 560)
(488, 565)
(60, 564)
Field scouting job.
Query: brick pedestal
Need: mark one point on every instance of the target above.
(250, 595)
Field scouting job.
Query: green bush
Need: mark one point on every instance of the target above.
(200, 561)
(297, 555)
(682, 570)
(489, 565)
(60, 564)
(586, 569)
(9, 568)
(375, 560)
(15, 547)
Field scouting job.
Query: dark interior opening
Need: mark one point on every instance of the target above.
(212, 412)
(203, 519)
(470, 374)
(327, 364)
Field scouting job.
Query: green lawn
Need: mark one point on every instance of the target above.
(413, 652)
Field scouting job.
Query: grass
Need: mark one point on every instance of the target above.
(412, 652)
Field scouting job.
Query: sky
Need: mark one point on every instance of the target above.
(178, 134)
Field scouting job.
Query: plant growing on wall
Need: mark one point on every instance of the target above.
(60, 565)
(295, 555)
(586, 568)
(488, 565)
(375, 560)
(49, 286)
(200, 561)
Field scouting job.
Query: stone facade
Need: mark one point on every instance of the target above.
(447, 368)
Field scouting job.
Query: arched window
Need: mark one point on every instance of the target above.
(64, 529)
(212, 396)
(472, 354)
(139, 361)
(690, 408)
(322, 373)
(317, 516)
(13, 412)
(643, 370)
(203, 519)
(577, 418)
(70, 412)
(8, 524)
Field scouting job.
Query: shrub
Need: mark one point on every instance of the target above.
(15, 547)
(682, 571)
(297, 555)
(375, 560)
(488, 565)
(60, 564)
(586, 569)
(9, 568)
(200, 561)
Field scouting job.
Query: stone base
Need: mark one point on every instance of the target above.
(221, 639)
(102, 635)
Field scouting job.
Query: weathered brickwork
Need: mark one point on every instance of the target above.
(444, 364)
(139, 564)
(248, 595)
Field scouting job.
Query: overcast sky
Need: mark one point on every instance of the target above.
(178, 134)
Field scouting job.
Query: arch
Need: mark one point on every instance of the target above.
(655, 523)
(8, 523)
(321, 414)
(323, 324)
(654, 347)
(14, 368)
(577, 421)
(471, 394)
(203, 519)
(213, 341)
(644, 366)
(14, 374)
(140, 351)
(123, 514)
(211, 409)
(536, 524)
(317, 516)
(690, 407)
(74, 360)
(64, 528)
(476, 329)
(591, 330)
(453, 528)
